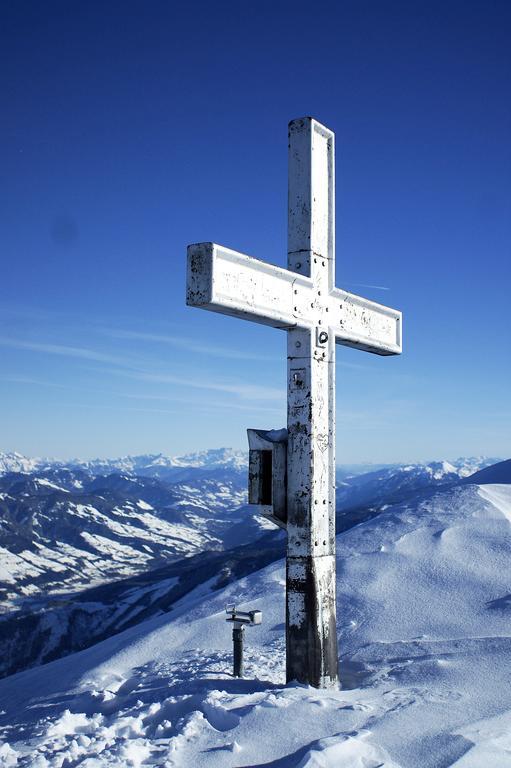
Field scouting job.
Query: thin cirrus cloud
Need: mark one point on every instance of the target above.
(137, 370)
(186, 343)
(367, 285)
(14, 379)
(243, 391)
(64, 350)
(248, 408)
(245, 406)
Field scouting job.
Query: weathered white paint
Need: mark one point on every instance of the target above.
(303, 300)
(296, 609)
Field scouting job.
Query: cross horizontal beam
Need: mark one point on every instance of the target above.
(232, 283)
(363, 324)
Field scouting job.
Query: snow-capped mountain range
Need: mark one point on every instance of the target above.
(159, 465)
(148, 465)
(89, 548)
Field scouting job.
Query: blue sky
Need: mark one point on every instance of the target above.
(131, 129)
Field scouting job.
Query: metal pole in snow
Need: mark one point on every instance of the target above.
(238, 633)
(239, 620)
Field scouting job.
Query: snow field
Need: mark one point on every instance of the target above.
(425, 651)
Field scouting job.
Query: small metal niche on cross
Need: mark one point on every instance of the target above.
(304, 301)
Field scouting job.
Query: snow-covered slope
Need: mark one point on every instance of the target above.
(496, 473)
(59, 624)
(425, 644)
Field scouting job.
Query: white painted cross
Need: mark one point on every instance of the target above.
(304, 301)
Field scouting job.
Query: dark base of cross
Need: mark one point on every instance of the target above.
(311, 647)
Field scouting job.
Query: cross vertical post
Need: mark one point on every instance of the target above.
(311, 636)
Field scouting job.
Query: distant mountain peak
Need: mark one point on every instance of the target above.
(212, 458)
(13, 461)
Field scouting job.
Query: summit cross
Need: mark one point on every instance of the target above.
(304, 301)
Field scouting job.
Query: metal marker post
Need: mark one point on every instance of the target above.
(238, 632)
(239, 620)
